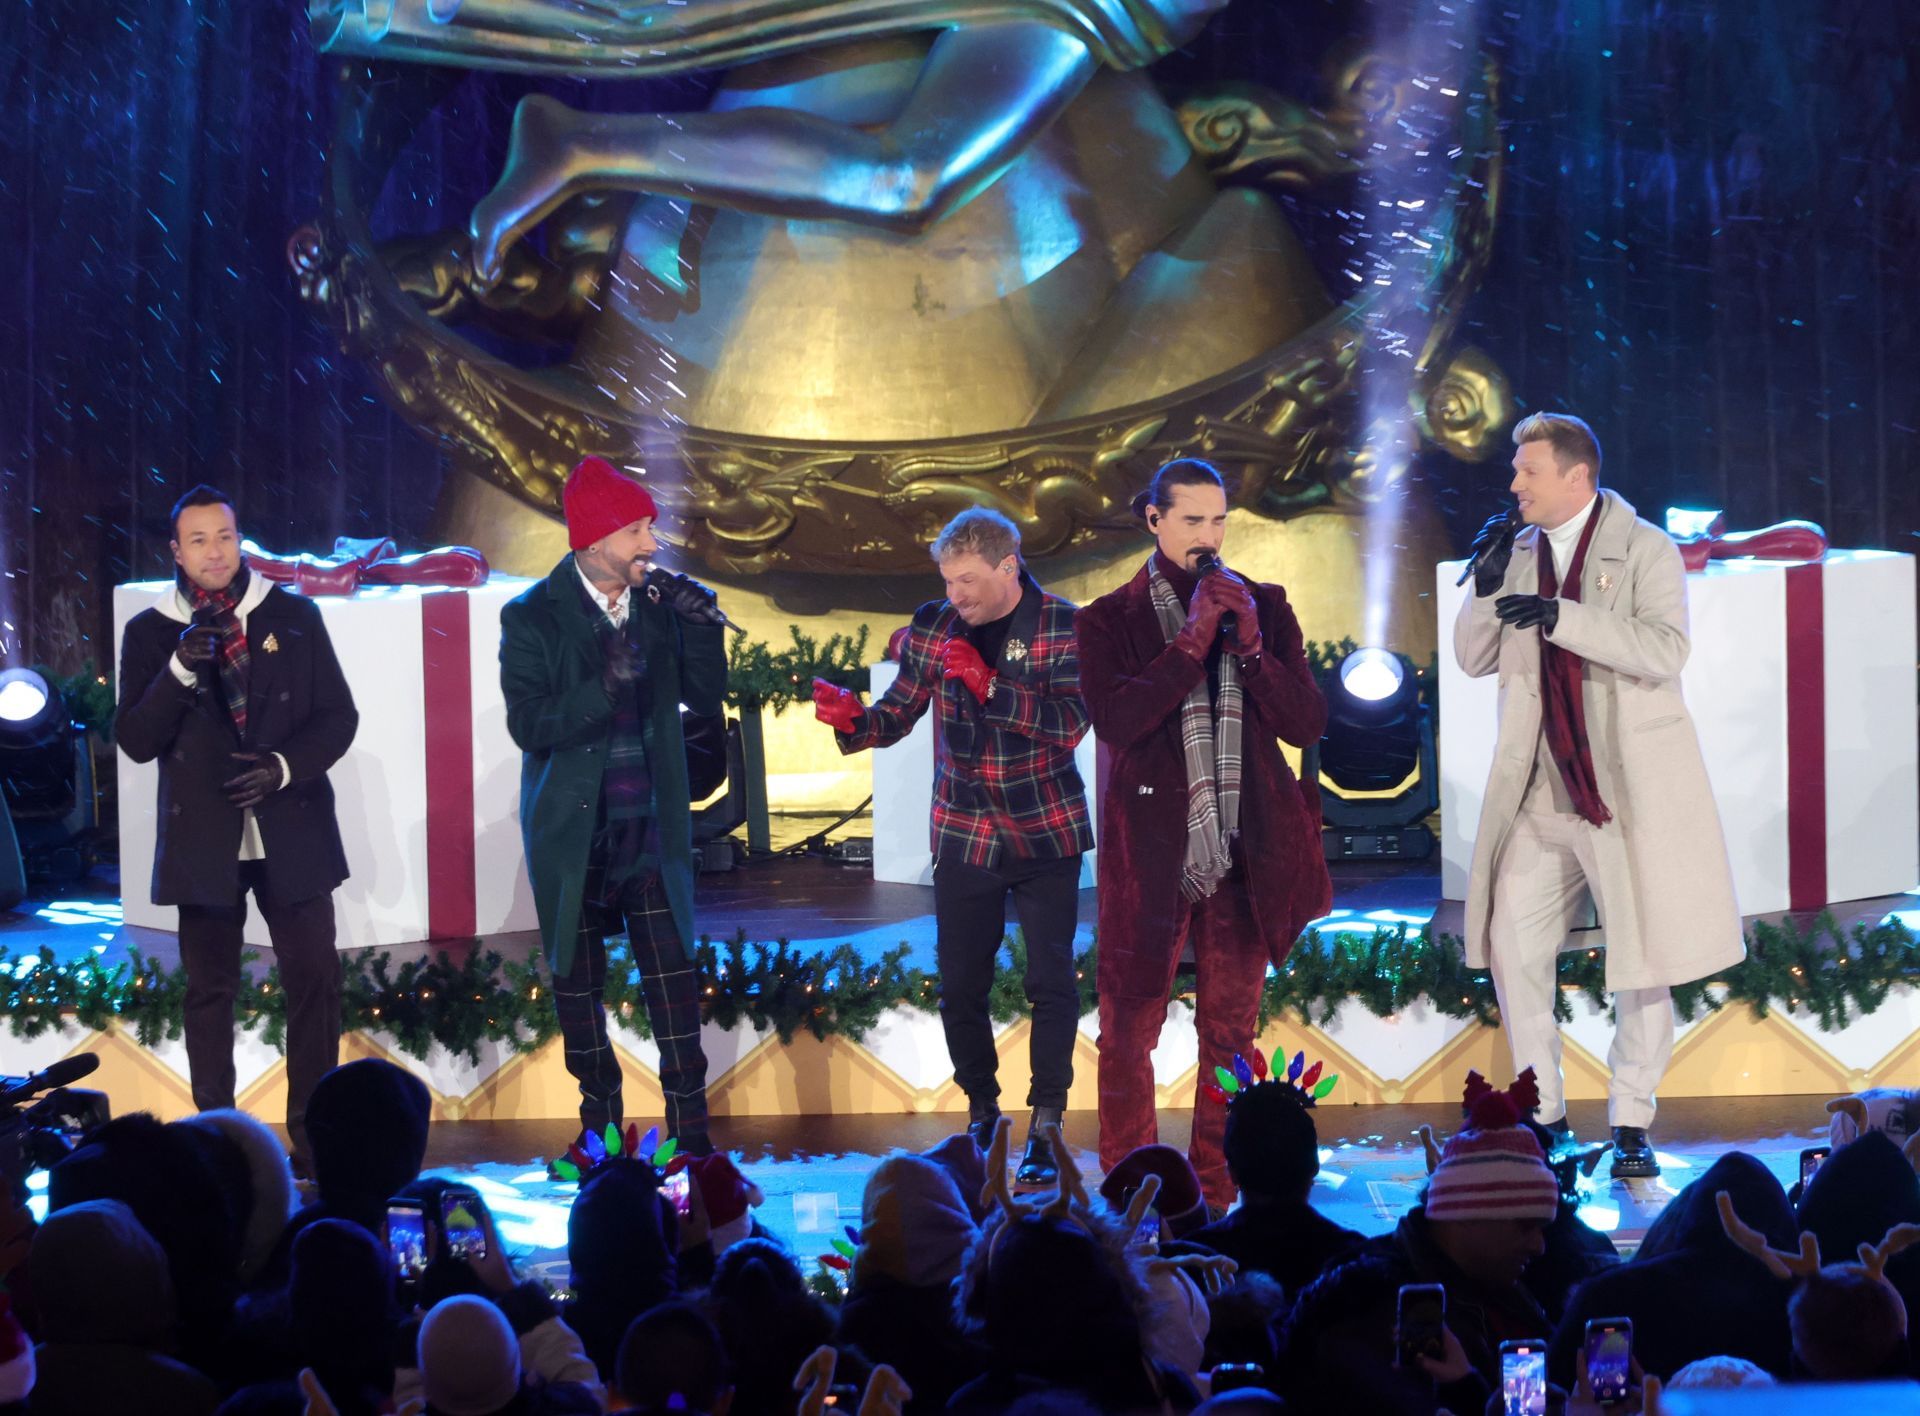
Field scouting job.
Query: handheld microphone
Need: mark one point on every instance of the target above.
(1207, 563)
(1513, 529)
(661, 580)
(60, 1074)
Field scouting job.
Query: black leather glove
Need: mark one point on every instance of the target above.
(1494, 547)
(685, 596)
(1526, 611)
(253, 786)
(620, 669)
(199, 646)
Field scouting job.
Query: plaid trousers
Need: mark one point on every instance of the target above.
(672, 994)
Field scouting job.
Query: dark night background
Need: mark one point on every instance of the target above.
(1707, 248)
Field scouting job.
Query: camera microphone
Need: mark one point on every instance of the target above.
(62, 1073)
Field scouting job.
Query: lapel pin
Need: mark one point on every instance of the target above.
(1605, 582)
(1016, 649)
(270, 645)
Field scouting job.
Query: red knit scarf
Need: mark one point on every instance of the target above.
(1563, 705)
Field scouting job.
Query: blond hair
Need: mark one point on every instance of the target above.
(977, 529)
(1570, 438)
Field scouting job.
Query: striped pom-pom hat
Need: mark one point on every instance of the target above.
(1494, 1168)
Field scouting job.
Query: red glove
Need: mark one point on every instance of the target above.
(960, 660)
(836, 706)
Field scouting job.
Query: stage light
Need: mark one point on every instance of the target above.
(1684, 523)
(36, 747)
(1371, 674)
(1378, 775)
(23, 695)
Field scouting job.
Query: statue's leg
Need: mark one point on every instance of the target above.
(982, 97)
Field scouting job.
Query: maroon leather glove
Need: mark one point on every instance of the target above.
(838, 707)
(1246, 610)
(960, 660)
(1214, 597)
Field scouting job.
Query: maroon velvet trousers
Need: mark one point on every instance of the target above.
(1230, 964)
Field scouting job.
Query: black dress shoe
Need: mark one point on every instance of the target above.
(980, 1125)
(1633, 1157)
(1038, 1167)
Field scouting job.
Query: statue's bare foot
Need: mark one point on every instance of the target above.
(536, 179)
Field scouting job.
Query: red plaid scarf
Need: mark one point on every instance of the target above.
(220, 608)
(1563, 705)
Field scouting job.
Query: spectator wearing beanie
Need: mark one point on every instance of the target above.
(671, 1362)
(966, 1164)
(343, 1320)
(620, 1247)
(1690, 1290)
(188, 1189)
(915, 1231)
(1487, 1207)
(1272, 1151)
(1865, 1188)
(107, 1320)
(471, 1364)
(367, 1122)
(269, 1198)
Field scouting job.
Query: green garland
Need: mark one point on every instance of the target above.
(759, 676)
(486, 997)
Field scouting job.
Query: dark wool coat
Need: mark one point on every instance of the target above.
(298, 705)
(1133, 681)
(560, 716)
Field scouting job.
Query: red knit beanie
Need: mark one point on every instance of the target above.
(1494, 1168)
(599, 499)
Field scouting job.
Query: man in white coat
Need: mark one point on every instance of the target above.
(1598, 803)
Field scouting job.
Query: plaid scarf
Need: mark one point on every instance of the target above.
(1563, 705)
(627, 841)
(1211, 746)
(220, 608)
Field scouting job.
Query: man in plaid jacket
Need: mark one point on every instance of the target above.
(1009, 809)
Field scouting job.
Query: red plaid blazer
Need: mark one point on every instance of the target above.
(1004, 777)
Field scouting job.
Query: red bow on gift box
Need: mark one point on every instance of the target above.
(1782, 541)
(374, 561)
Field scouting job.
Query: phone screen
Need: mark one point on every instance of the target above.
(1146, 1234)
(407, 1240)
(1610, 1358)
(460, 1219)
(1523, 1378)
(676, 1187)
(1423, 1313)
(1810, 1162)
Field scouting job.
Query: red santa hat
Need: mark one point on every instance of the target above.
(728, 1195)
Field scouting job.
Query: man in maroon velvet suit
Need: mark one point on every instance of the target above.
(1191, 675)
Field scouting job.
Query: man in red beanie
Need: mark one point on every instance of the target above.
(595, 663)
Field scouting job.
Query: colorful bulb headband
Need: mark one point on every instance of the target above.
(593, 1150)
(1305, 1082)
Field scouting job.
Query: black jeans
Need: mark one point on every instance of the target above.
(970, 914)
(302, 932)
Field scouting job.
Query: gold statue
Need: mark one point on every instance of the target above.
(912, 256)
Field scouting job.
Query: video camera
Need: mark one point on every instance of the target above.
(37, 1130)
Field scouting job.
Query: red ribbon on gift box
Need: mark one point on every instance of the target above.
(1782, 541)
(1806, 685)
(370, 561)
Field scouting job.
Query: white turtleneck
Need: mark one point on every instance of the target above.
(1566, 536)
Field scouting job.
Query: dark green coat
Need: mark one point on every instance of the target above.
(550, 663)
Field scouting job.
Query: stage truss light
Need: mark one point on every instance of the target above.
(1378, 773)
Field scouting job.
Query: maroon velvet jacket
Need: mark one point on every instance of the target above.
(1133, 681)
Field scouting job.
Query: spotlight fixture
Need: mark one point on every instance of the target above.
(38, 762)
(1379, 779)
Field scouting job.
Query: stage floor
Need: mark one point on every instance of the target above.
(813, 1169)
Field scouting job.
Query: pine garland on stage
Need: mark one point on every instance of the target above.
(481, 996)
